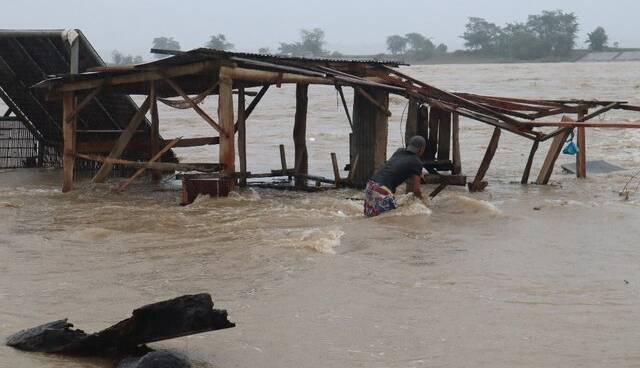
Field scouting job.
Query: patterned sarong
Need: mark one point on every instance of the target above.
(377, 199)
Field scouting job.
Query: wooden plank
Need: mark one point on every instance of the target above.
(444, 135)
(581, 157)
(455, 150)
(300, 135)
(457, 180)
(411, 127)
(227, 122)
(437, 191)
(242, 137)
(69, 136)
(336, 169)
(194, 105)
(162, 166)
(586, 124)
(123, 140)
(552, 155)
(478, 184)
(527, 169)
(154, 139)
(432, 141)
(140, 171)
(84, 103)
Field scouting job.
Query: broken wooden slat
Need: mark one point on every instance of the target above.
(554, 152)
(478, 184)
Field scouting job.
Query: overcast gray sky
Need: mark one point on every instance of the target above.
(351, 26)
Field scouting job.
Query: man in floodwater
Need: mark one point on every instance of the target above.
(404, 164)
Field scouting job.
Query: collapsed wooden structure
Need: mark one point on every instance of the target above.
(433, 113)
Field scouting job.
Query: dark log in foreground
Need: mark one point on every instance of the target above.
(183, 316)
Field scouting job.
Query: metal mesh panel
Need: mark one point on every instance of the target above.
(19, 148)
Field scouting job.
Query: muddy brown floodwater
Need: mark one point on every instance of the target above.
(522, 276)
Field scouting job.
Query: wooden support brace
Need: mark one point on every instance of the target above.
(194, 105)
(141, 170)
(252, 105)
(373, 101)
(227, 155)
(344, 105)
(581, 157)
(84, 103)
(478, 184)
(123, 140)
(527, 169)
(283, 159)
(301, 164)
(438, 189)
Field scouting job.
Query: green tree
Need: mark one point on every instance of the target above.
(420, 47)
(556, 29)
(165, 43)
(117, 58)
(598, 39)
(396, 44)
(518, 41)
(442, 48)
(311, 44)
(219, 42)
(481, 35)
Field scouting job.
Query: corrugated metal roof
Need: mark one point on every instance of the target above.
(179, 57)
(27, 57)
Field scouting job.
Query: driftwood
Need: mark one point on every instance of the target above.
(183, 316)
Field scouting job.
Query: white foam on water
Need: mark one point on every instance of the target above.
(459, 204)
(408, 205)
(321, 240)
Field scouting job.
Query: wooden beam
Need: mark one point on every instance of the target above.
(154, 139)
(581, 157)
(478, 184)
(586, 124)
(225, 115)
(344, 105)
(194, 105)
(242, 137)
(375, 103)
(527, 169)
(300, 135)
(439, 189)
(155, 158)
(552, 155)
(457, 180)
(137, 76)
(253, 104)
(123, 141)
(69, 136)
(283, 158)
(162, 166)
(455, 137)
(583, 116)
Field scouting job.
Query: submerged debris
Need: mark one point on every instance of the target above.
(186, 315)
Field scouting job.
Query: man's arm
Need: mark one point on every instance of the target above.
(416, 182)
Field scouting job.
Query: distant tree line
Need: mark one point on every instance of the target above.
(414, 46)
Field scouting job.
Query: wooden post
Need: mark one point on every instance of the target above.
(154, 139)
(300, 135)
(581, 157)
(370, 133)
(554, 152)
(225, 116)
(527, 169)
(444, 135)
(455, 136)
(69, 136)
(336, 169)
(242, 137)
(411, 129)
(283, 159)
(432, 139)
(478, 185)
